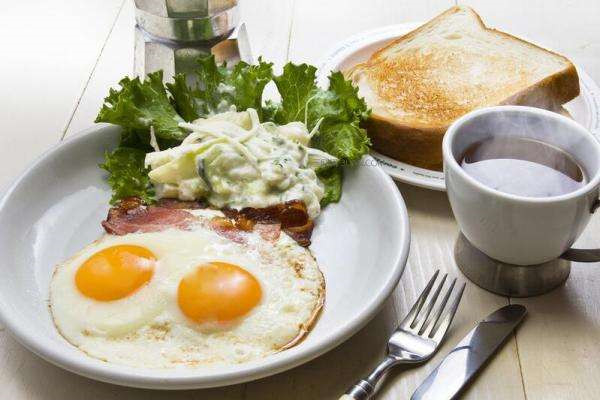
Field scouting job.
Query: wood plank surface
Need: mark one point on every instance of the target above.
(60, 70)
(559, 342)
(115, 62)
(433, 233)
(49, 50)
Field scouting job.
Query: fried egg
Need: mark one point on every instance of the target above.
(186, 298)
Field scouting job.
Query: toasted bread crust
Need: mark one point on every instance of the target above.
(419, 143)
(560, 87)
(550, 92)
(421, 147)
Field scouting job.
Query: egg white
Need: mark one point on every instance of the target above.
(147, 328)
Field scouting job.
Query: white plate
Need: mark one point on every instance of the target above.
(585, 109)
(55, 208)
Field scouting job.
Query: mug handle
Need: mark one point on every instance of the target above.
(584, 255)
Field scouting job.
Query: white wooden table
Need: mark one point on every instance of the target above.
(60, 58)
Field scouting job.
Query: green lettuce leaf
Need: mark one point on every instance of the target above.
(210, 75)
(347, 94)
(186, 100)
(269, 110)
(331, 178)
(139, 105)
(127, 174)
(135, 138)
(217, 88)
(202, 98)
(337, 111)
(296, 86)
(247, 83)
(346, 141)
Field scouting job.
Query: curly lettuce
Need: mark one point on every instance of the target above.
(218, 88)
(128, 176)
(138, 105)
(337, 111)
(332, 178)
(334, 115)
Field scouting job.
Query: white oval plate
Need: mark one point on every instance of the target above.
(585, 109)
(55, 208)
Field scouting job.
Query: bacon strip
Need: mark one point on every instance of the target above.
(301, 234)
(292, 217)
(180, 204)
(131, 216)
(291, 213)
(226, 228)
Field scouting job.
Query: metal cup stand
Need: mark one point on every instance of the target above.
(519, 280)
(508, 279)
(172, 34)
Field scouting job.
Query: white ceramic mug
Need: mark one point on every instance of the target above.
(517, 229)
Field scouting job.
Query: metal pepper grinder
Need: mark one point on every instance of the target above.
(172, 34)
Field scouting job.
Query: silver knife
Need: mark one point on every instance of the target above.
(468, 357)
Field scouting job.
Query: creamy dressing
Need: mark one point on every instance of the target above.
(231, 159)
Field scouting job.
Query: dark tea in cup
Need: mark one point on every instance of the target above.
(523, 167)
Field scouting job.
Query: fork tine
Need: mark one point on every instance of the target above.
(408, 321)
(440, 331)
(434, 320)
(423, 321)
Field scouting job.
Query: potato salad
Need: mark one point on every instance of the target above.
(233, 160)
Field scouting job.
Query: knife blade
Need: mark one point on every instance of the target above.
(460, 366)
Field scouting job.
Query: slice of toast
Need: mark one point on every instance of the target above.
(421, 82)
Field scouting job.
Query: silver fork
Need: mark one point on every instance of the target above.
(416, 339)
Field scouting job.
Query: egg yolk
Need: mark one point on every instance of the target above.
(218, 292)
(115, 272)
